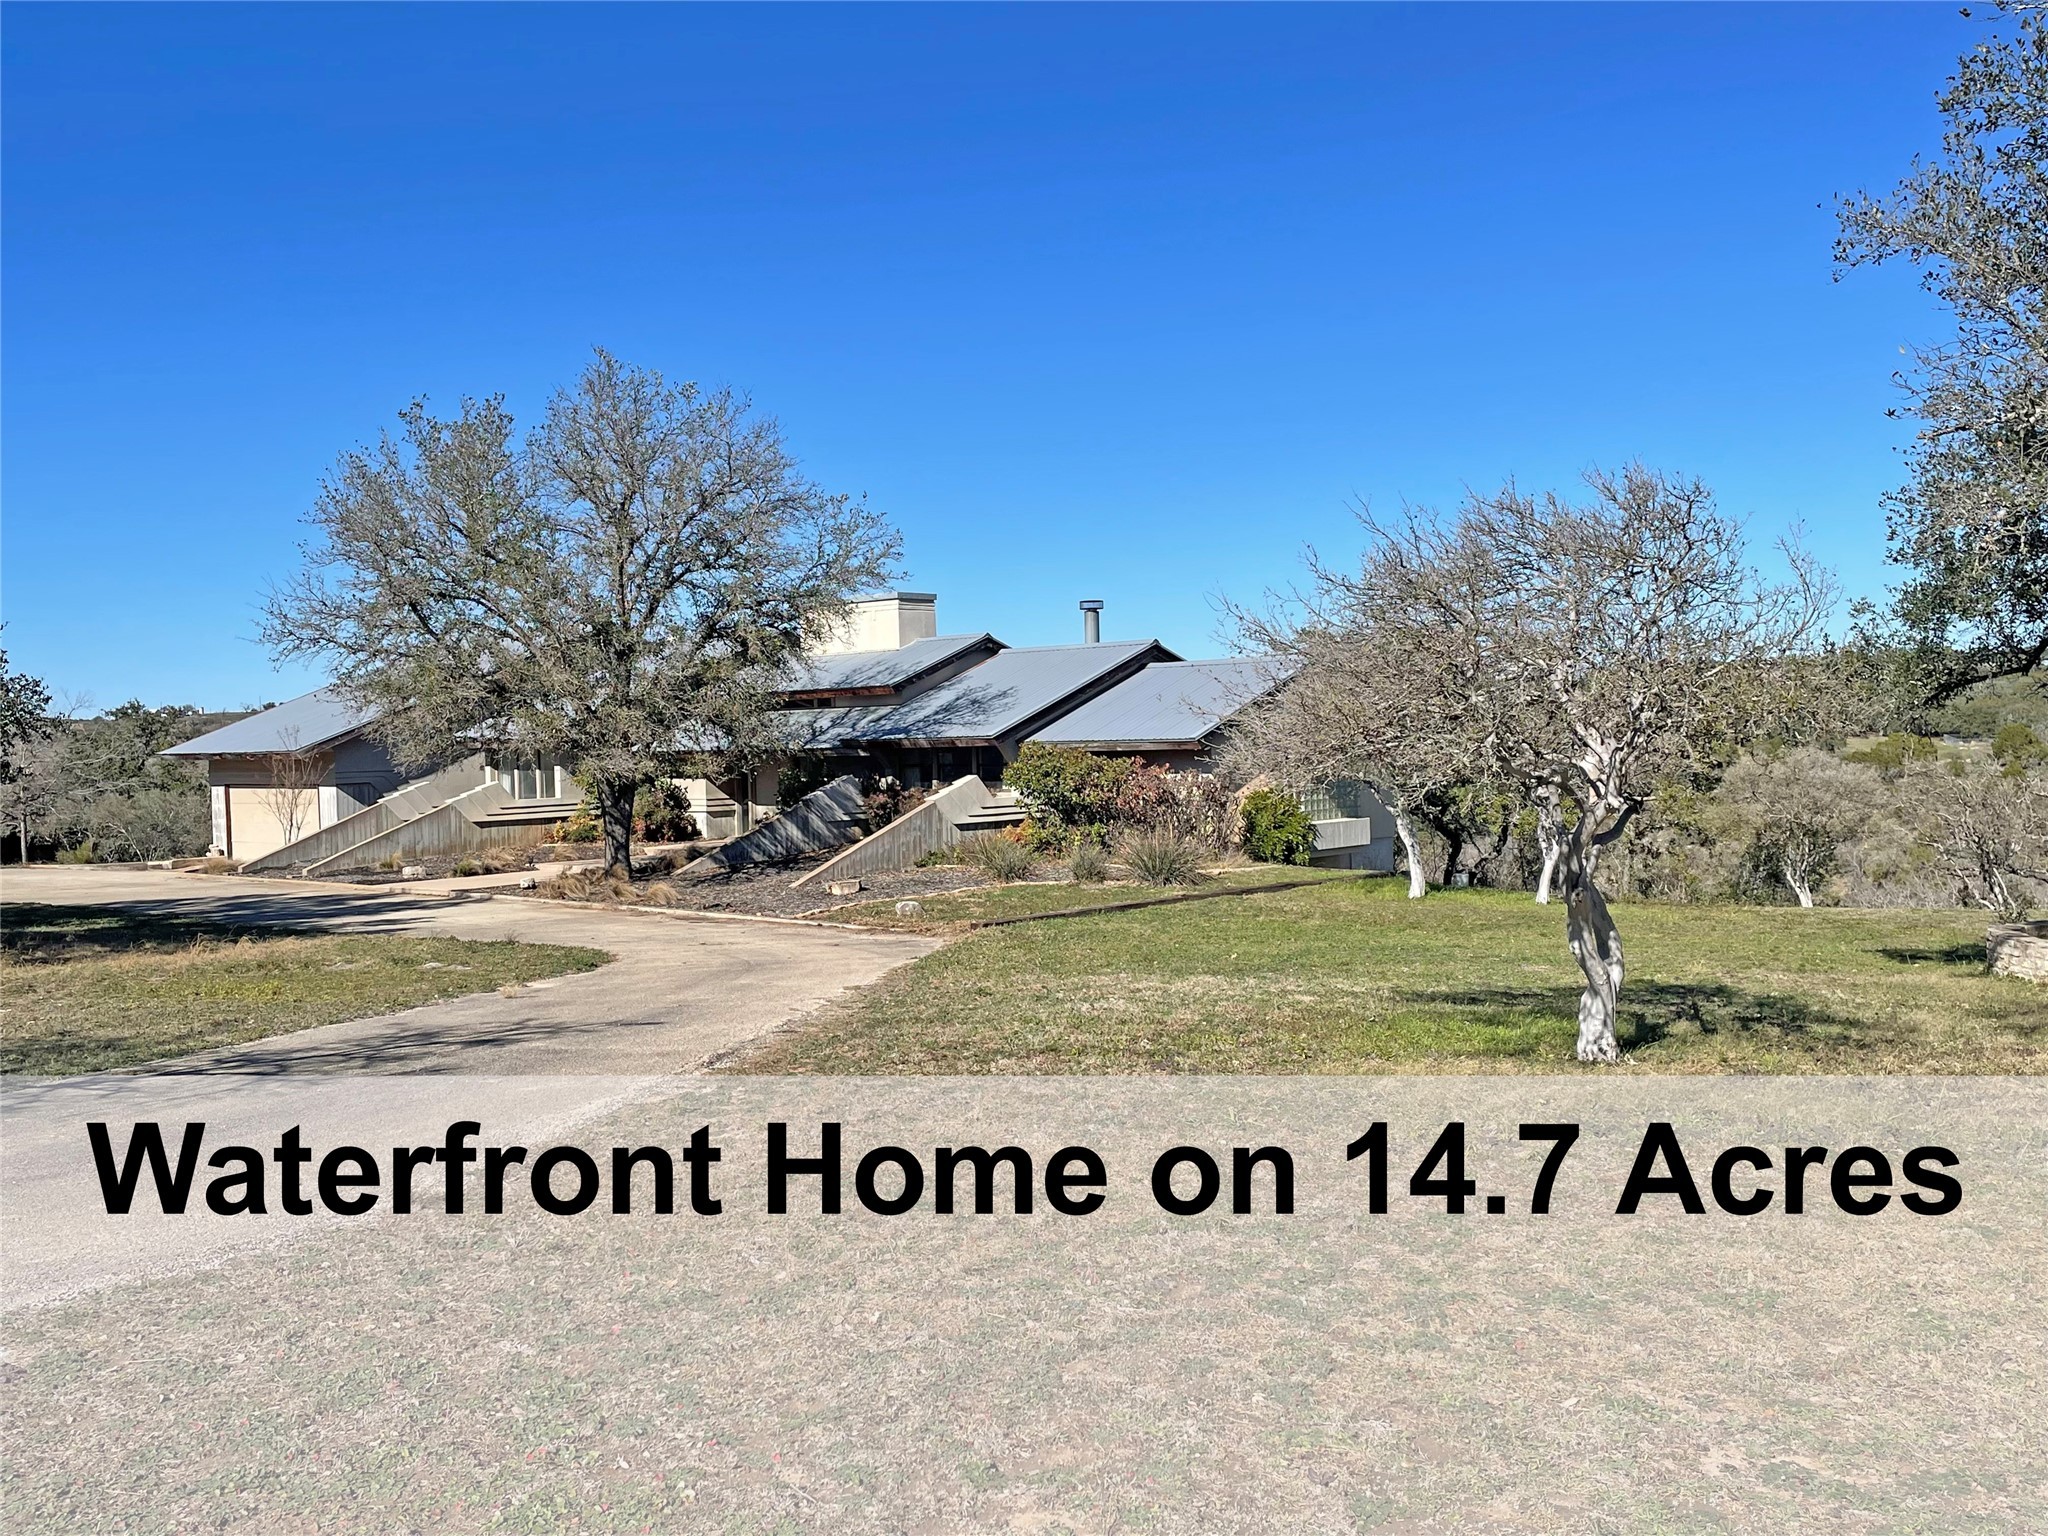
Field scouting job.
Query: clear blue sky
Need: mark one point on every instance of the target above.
(1118, 303)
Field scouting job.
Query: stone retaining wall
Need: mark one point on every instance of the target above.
(2019, 949)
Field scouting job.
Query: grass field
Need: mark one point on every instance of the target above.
(955, 912)
(87, 988)
(1349, 976)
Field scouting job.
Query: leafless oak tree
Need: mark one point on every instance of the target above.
(1577, 651)
(619, 589)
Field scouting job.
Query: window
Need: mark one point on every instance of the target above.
(528, 775)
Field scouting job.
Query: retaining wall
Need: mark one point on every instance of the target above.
(2019, 949)
(825, 818)
(899, 845)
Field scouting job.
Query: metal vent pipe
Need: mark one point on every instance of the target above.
(1091, 620)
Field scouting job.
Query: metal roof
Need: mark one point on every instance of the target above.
(311, 720)
(1169, 703)
(984, 703)
(880, 669)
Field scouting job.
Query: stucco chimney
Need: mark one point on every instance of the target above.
(1091, 620)
(886, 621)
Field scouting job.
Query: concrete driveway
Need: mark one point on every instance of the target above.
(680, 991)
(531, 1066)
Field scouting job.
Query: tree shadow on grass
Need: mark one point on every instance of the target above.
(1968, 953)
(35, 932)
(1650, 1011)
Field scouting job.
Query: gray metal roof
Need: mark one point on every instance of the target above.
(1169, 703)
(984, 703)
(880, 669)
(311, 720)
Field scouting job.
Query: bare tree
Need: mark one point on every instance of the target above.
(621, 589)
(292, 795)
(1796, 809)
(1346, 712)
(24, 725)
(1576, 651)
(1987, 825)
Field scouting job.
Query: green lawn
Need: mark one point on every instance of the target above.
(87, 988)
(1349, 976)
(956, 912)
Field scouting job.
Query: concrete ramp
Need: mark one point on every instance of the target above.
(825, 818)
(963, 809)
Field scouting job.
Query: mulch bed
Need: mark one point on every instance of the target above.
(767, 890)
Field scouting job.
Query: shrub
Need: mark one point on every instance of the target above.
(1089, 865)
(2016, 748)
(884, 799)
(583, 827)
(466, 867)
(78, 853)
(661, 813)
(1071, 795)
(1276, 828)
(1001, 858)
(392, 861)
(1161, 858)
(586, 885)
(1191, 805)
(798, 776)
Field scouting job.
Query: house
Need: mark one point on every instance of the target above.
(973, 722)
(305, 786)
(288, 770)
(308, 776)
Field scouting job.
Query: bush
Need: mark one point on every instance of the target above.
(1071, 795)
(583, 827)
(1162, 858)
(1001, 858)
(661, 813)
(466, 867)
(78, 853)
(1191, 805)
(798, 776)
(884, 799)
(1276, 828)
(1089, 865)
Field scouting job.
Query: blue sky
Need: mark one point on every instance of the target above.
(1094, 302)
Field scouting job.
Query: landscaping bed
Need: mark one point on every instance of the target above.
(759, 890)
(90, 988)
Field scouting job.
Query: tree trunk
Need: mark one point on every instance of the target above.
(1418, 883)
(1596, 945)
(615, 813)
(1801, 886)
(1549, 838)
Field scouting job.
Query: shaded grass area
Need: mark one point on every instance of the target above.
(1349, 976)
(83, 989)
(953, 912)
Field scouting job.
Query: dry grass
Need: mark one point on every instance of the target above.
(92, 988)
(599, 888)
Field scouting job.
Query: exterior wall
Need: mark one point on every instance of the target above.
(1353, 830)
(717, 813)
(355, 774)
(884, 623)
(259, 818)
